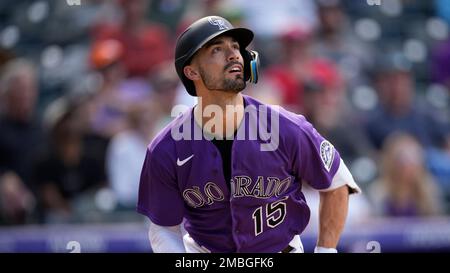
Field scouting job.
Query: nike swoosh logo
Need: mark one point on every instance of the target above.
(182, 162)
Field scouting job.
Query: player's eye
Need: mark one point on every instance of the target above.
(216, 49)
(236, 46)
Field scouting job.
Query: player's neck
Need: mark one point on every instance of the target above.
(223, 99)
(220, 114)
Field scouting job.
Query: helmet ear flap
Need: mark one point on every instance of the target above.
(251, 65)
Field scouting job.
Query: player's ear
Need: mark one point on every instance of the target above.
(191, 72)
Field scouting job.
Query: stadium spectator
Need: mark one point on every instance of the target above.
(106, 108)
(336, 41)
(398, 109)
(326, 106)
(165, 91)
(404, 187)
(20, 139)
(126, 153)
(298, 66)
(145, 44)
(115, 94)
(65, 173)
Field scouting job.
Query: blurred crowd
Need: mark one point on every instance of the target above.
(84, 88)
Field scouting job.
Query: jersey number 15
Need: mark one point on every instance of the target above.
(275, 214)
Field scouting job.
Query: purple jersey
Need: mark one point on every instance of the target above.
(264, 207)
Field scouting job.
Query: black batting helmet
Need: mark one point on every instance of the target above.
(201, 32)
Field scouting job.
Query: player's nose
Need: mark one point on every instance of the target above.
(233, 54)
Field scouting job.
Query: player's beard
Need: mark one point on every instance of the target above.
(235, 85)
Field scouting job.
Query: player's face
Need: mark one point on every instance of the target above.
(220, 65)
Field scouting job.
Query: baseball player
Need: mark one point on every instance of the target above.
(222, 192)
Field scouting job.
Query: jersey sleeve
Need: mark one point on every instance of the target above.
(159, 197)
(318, 160)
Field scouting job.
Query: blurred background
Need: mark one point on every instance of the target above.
(86, 84)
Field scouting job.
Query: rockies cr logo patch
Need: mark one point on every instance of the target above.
(327, 154)
(217, 22)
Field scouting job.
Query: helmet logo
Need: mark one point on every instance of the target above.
(217, 22)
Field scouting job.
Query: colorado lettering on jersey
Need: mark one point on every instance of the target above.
(198, 198)
(241, 186)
